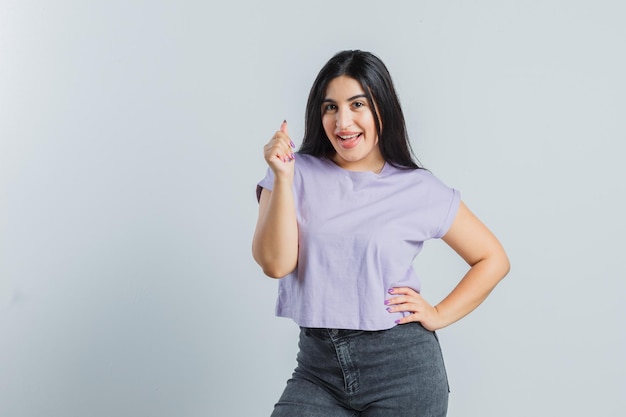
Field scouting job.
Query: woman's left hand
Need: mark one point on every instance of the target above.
(406, 299)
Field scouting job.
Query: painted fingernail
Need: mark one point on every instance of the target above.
(397, 321)
(293, 145)
(387, 302)
(389, 309)
(293, 156)
(390, 291)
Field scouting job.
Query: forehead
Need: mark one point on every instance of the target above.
(343, 87)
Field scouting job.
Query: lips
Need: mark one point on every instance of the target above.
(349, 140)
(348, 137)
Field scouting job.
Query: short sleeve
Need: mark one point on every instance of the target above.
(267, 182)
(450, 202)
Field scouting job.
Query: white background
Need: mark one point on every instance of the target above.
(131, 137)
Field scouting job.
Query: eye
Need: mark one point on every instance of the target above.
(358, 104)
(329, 108)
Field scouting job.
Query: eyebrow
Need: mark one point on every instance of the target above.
(330, 100)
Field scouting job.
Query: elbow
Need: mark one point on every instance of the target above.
(504, 265)
(276, 272)
(496, 265)
(273, 268)
(507, 264)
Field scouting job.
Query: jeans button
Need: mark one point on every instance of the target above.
(334, 332)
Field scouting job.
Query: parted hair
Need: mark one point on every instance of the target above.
(372, 74)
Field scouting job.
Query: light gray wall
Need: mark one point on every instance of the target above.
(131, 139)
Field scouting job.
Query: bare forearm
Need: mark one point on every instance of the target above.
(473, 289)
(275, 243)
(488, 265)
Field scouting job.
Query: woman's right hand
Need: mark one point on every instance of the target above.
(279, 152)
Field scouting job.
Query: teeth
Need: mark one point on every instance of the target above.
(349, 137)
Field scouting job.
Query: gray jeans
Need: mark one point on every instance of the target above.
(347, 373)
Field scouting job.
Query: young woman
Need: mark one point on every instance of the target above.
(340, 223)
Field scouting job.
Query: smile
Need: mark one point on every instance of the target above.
(356, 135)
(349, 141)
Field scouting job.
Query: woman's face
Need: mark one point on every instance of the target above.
(348, 120)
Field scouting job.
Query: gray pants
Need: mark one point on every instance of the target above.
(347, 373)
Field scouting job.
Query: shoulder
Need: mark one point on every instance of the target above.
(422, 182)
(416, 176)
(308, 163)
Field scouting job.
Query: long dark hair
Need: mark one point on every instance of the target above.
(372, 74)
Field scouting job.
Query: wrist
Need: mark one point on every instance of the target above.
(283, 180)
(442, 321)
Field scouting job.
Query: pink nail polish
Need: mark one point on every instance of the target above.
(387, 302)
(390, 291)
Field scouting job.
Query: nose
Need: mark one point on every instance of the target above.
(343, 118)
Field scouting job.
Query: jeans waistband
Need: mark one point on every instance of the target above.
(329, 333)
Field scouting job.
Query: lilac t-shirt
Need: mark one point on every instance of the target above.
(358, 233)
